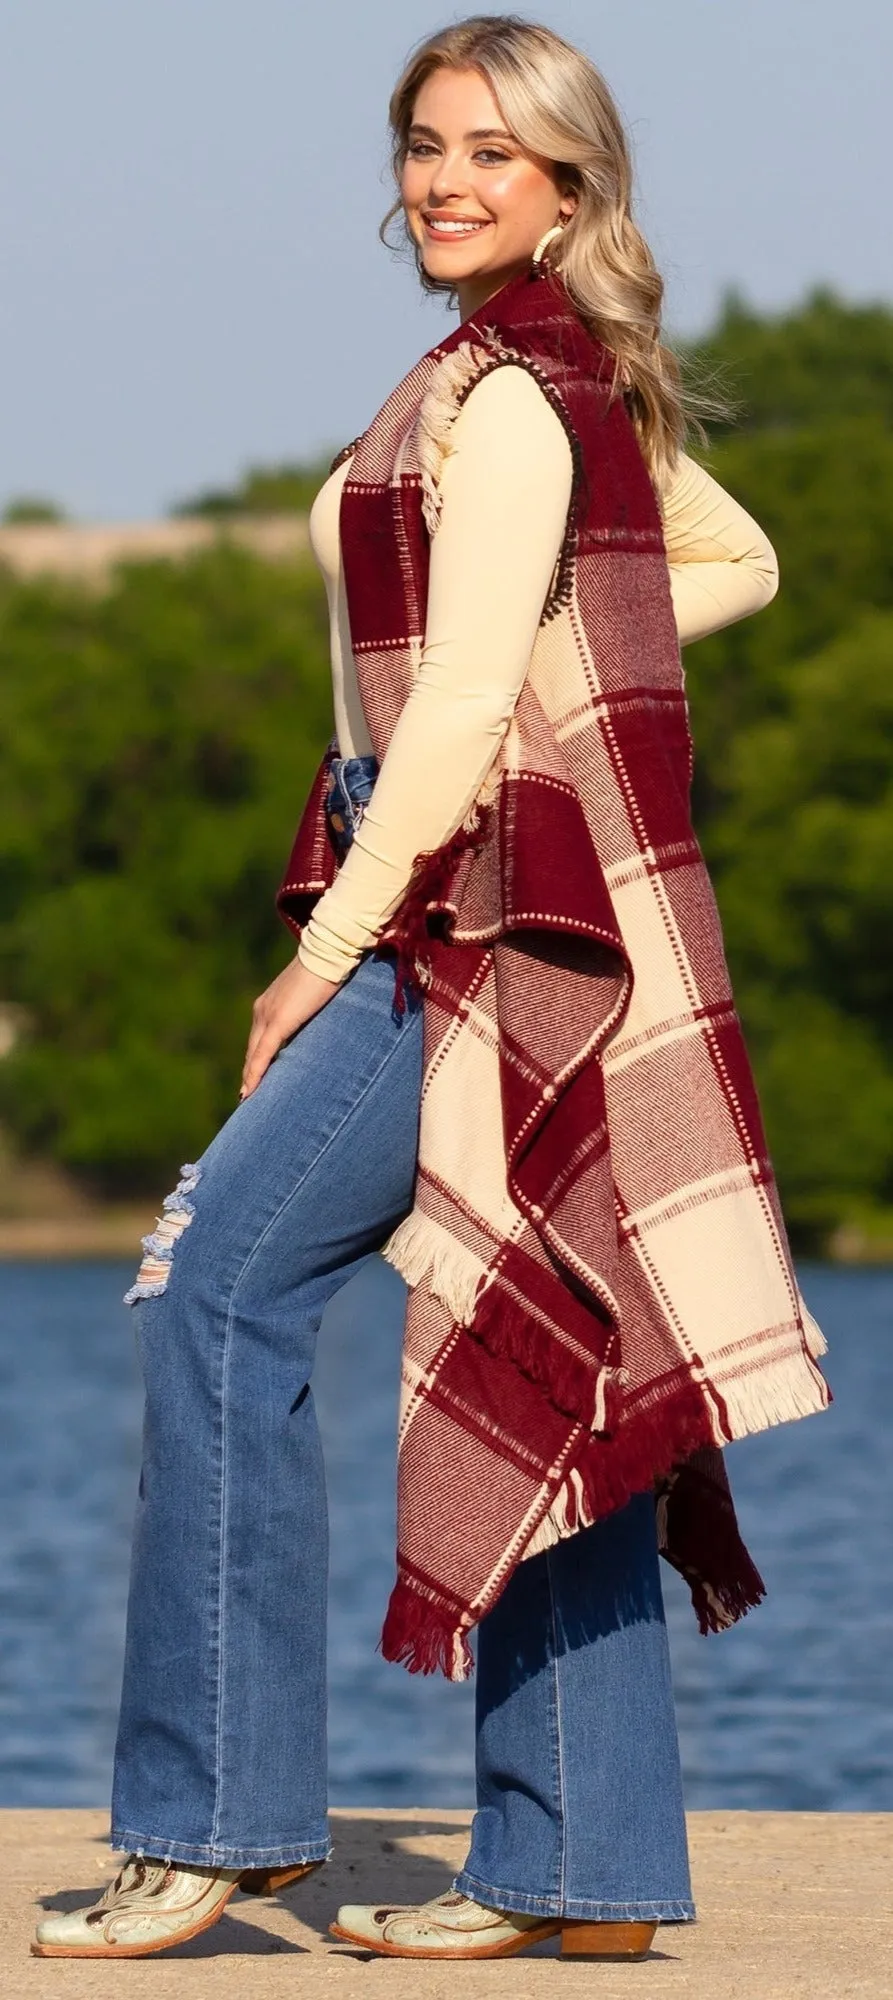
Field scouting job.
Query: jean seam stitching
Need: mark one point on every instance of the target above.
(221, 1592)
(221, 1615)
(562, 1871)
(217, 1497)
(207, 1845)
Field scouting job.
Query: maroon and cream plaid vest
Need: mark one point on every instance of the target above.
(600, 1288)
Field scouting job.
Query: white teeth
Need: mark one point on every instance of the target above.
(454, 228)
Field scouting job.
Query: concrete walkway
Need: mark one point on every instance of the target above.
(792, 1906)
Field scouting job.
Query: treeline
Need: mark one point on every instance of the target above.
(793, 722)
(157, 741)
(156, 745)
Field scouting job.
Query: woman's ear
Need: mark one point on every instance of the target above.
(569, 202)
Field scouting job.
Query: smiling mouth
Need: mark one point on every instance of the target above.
(449, 230)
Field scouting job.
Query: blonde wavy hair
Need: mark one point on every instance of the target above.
(558, 105)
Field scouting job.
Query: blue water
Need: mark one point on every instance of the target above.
(791, 1709)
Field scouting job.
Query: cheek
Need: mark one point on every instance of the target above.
(413, 183)
(520, 191)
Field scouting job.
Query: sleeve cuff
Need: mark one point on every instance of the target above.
(326, 962)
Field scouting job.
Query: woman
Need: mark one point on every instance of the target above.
(496, 890)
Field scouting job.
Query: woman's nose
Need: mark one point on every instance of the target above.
(448, 179)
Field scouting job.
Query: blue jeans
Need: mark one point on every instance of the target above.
(221, 1751)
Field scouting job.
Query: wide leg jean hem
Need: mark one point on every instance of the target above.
(657, 1911)
(211, 1855)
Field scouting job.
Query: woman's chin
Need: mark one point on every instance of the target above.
(445, 264)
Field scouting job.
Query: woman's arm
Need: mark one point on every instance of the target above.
(505, 491)
(722, 566)
(506, 486)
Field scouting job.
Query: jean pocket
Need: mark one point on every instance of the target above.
(350, 787)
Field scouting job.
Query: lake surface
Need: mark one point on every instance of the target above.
(792, 1709)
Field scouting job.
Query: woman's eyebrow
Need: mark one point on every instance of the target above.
(482, 132)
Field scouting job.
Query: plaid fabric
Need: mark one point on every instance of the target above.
(601, 1291)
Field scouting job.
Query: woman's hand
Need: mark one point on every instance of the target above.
(294, 997)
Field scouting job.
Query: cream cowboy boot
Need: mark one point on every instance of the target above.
(453, 1926)
(152, 1905)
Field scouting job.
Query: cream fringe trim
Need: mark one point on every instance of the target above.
(776, 1395)
(421, 1248)
(815, 1339)
(554, 1526)
(438, 411)
(486, 791)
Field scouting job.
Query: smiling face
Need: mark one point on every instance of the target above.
(475, 200)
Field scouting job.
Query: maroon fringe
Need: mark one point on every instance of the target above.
(570, 1381)
(705, 1546)
(707, 1549)
(419, 1635)
(410, 936)
(702, 1532)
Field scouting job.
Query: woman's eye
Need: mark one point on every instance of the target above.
(417, 149)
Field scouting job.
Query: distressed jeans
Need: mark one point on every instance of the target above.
(221, 1750)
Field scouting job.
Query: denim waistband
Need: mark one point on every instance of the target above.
(350, 787)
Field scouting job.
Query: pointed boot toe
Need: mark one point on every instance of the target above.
(150, 1906)
(449, 1926)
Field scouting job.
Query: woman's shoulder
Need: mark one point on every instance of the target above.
(507, 411)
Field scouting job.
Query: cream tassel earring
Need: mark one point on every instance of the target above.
(556, 230)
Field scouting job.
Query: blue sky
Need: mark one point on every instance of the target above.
(191, 192)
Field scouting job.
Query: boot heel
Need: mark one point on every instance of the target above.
(582, 1940)
(268, 1881)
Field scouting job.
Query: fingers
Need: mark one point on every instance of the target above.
(286, 1006)
(264, 1042)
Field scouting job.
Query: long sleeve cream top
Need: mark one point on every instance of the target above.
(505, 490)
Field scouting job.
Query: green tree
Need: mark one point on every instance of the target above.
(30, 511)
(825, 498)
(827, 360)
(263, 489)
(156, 747)
(802, 856)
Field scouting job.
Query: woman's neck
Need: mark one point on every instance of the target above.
(477, 291)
